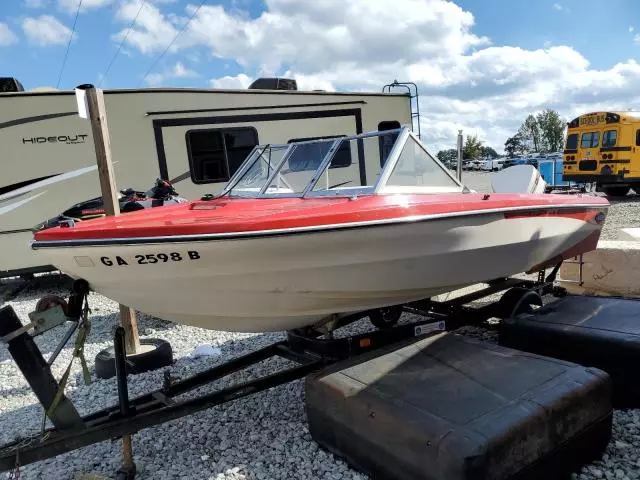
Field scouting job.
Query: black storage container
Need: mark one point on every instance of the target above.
(601, 332)
(449, 407)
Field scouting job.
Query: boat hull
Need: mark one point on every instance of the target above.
(281, 282)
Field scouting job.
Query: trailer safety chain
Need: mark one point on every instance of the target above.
(15, 473)
(84, 328)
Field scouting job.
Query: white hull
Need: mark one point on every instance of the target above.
(276, 283)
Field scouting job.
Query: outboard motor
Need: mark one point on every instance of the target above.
(518, 179)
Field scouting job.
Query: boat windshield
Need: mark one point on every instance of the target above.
(392, 161)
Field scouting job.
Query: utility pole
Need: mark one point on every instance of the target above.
(91, 106)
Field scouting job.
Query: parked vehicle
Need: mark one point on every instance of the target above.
(492, 165)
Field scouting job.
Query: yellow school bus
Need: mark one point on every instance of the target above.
(604, 148)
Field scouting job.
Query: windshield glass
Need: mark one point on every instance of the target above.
(265, 161)
(342, 181)
(417, 171)
(301, 162)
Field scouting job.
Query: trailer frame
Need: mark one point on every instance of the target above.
(306, 348)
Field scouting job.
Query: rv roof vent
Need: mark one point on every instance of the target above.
(274, 84)
(8, 84)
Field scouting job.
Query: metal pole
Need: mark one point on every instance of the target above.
(128, 469)
(121, 371)
(459, 169)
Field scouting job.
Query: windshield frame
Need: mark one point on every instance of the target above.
(404, 134)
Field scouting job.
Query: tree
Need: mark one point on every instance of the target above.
(472, 147)
(514, 146)
(530, 132)
(551, 129)
(488, 152)
(449, 155)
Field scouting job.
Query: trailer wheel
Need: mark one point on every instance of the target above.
(518, 300)
(385, 317)
(155, 353)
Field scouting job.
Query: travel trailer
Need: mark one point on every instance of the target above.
(195, 138)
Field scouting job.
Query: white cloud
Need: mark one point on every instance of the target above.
(71, 6)
(636, 39)
(240, 81)
(557, 6)
(630, 29)
(177, 71)
(180, 71)
(465, 82)
(151, 32)
(7, 37)
(310, 82)
(45, 30)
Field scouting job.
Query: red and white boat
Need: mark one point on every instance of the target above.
(300, 234)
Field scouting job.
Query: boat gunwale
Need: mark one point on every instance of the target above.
(253, 234)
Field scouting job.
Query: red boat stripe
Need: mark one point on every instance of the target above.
(578, 214)
(250, 217)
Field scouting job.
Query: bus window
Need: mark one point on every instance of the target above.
(572, 141)
(609, 138)
(590, 140)
(638, 138)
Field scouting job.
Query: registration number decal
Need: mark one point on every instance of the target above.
(151, 258)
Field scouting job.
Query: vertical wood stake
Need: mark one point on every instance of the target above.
(98, 118)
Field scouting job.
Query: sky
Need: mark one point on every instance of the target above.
(481, 65)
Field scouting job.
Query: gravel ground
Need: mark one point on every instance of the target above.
(264, 436)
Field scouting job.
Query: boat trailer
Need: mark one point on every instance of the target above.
(306, 348)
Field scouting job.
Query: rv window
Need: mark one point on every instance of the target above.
(385, 143)
(215, 155)
(311, 161)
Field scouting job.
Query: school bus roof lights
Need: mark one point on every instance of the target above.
(595, 118)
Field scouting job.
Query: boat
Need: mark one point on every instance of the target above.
(295, 239)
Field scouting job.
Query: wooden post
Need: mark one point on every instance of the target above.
(97, 115)
(459, 151)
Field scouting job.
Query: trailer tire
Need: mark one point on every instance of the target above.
(385, 317)
(518, 300)
(156, 353)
